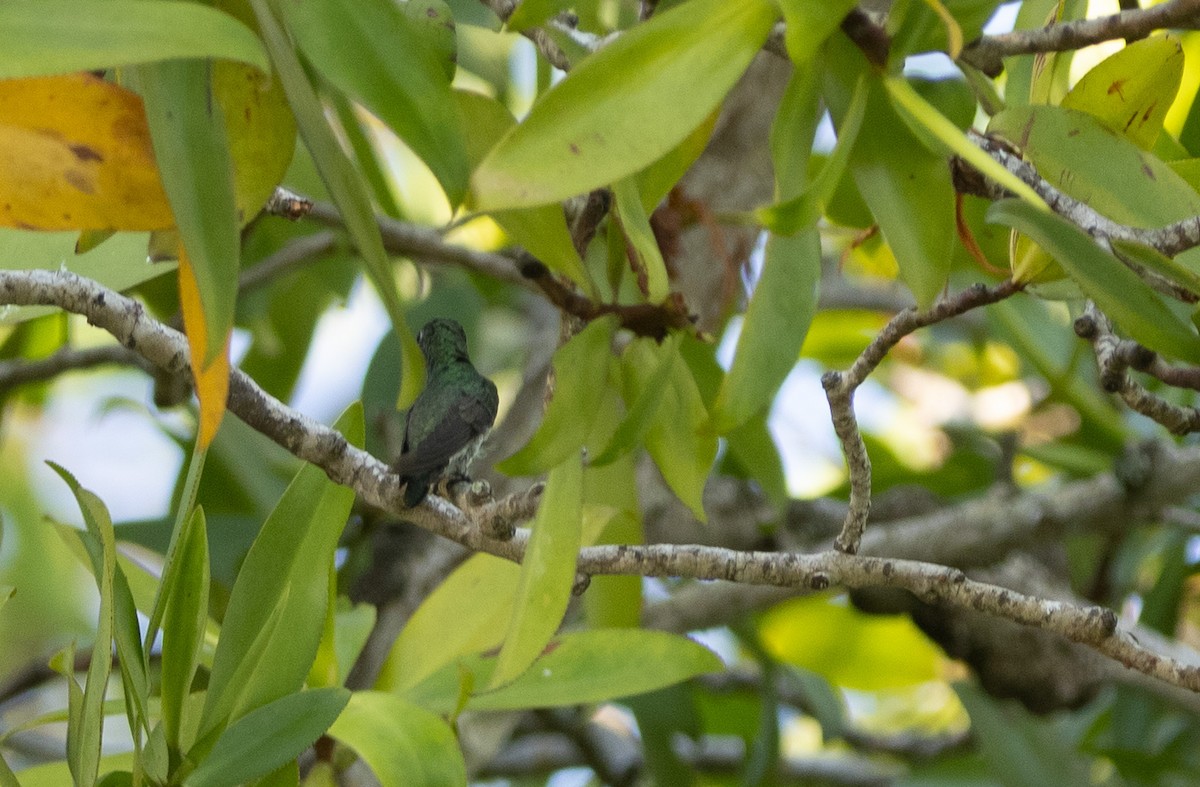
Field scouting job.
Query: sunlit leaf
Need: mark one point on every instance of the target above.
(401, 742)
(43, 37)
(593, 666)
(75, 153)
(541, 230)
(618, 110)
(467, 613)
(547, 572)
(1131, 90)
(642, 411)
(848, 647)
(1126, 184)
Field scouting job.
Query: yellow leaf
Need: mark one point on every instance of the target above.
(212, 381)
(75, 153)
(1131, 91)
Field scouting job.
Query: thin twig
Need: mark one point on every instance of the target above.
(987, 52)
(840, 388)
(16, 373)
(1113, 356)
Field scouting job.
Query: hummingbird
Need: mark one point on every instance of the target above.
(448, 422)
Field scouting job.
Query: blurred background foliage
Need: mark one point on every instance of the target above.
(1006, 398)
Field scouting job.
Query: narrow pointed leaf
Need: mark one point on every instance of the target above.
(183, 626)
(286, 572)
(187, 128)
(269, 736)
(43, 37)
(773, 330)
(1115, 288)
(373, 51)
(646, 259)
(346, 188)
(547, 572)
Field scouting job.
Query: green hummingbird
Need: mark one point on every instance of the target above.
(450, 418)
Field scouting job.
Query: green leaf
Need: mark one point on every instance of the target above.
(268, 737)
(1115, 288)
(402, 742)
(773, 329)
(679, 440)
(656, 181)
(86, 720)
(542, 231)
(643, 410)
(184, 621)
(1154, 260)
(346, 189)
(645, 256)
(1130, 91)
(581, 375)
(1126, 184)
(468, 613)
(594, 666)
(43, 37)
(531, 13)
(6, 592)
(809, 24)
(373, 51)
(192, 150)
(802, 211)
(925, 120)
(286, 573)
(619, 110)
(547, 572)
(907, 187)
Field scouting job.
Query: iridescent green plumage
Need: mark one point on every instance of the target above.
(451, 417)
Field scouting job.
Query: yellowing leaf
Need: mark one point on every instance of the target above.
(212, 380)
(75, 153)
(1131, 91)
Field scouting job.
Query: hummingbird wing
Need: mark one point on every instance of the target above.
(469, 418)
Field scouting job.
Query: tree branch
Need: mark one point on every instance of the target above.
(374, 481)
(987, 52)
(840, 388)
(1114, 357)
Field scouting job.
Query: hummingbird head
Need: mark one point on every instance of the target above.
(442, 341)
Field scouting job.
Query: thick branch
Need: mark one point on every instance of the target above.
(378, 485)
(987, 52)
